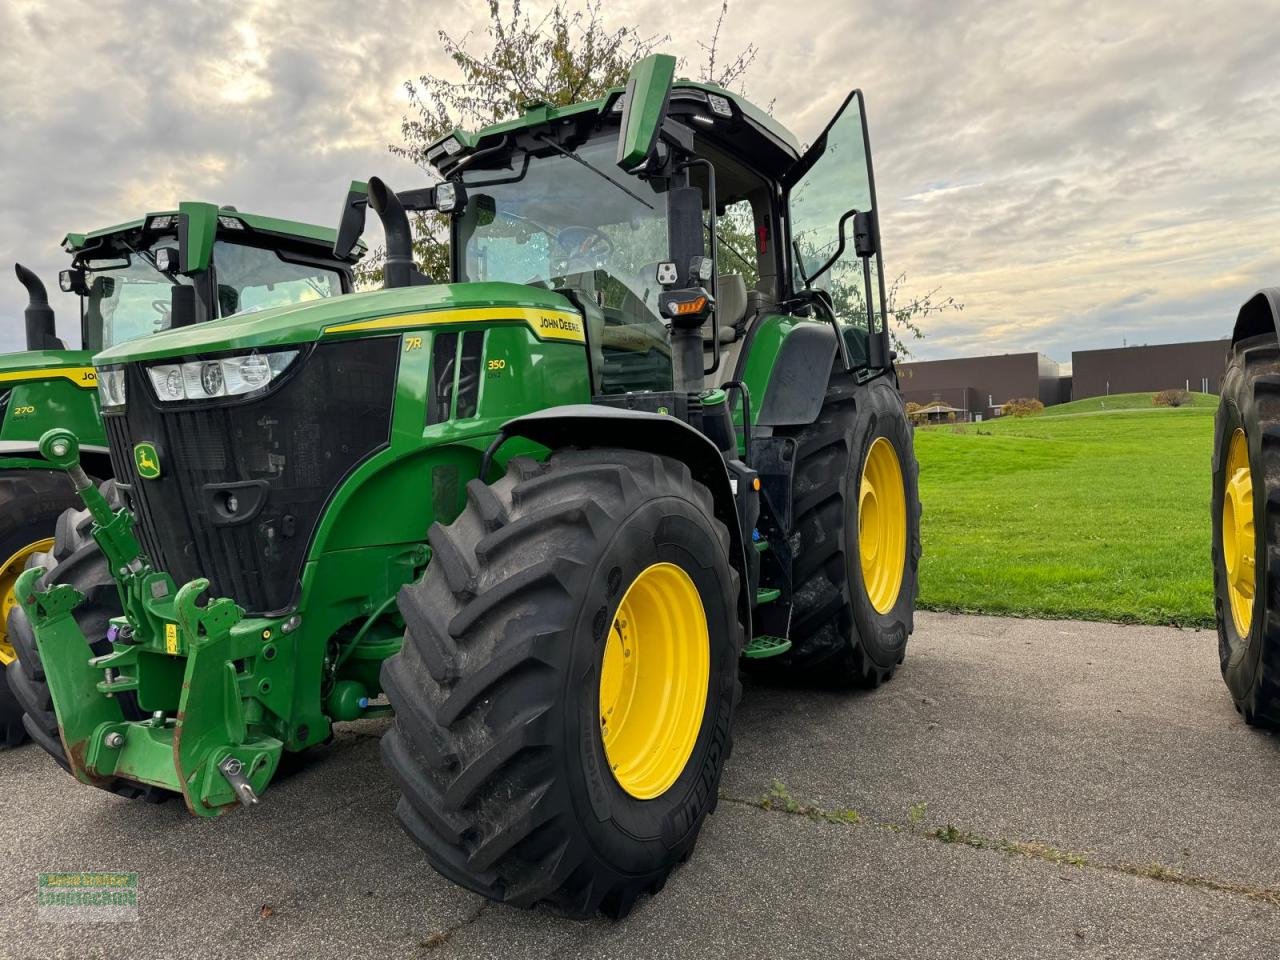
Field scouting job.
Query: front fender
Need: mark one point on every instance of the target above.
(588, 425)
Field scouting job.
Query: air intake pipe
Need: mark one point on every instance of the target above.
(41, 333)
(399, 269)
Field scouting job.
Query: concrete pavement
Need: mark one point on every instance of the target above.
(1020, 789)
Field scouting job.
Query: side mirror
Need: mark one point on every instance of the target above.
(351, 220)
(644, 109)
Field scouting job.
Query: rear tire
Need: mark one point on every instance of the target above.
(30, 503)
(838, 636)
(76, 560)
(1249, 657)
(498, 744)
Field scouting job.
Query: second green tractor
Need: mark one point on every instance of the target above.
(542, 510)
(194, 263)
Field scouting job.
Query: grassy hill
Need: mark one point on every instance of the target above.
(1125, 401)
(1100, 514)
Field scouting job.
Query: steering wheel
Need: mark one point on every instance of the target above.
(585, 244)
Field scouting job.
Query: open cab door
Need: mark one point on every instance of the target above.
(834, 248)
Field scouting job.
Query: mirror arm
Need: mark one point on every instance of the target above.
(471, 158)
(677, 135)
(839, 250)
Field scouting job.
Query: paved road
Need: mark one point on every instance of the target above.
(1022, 789)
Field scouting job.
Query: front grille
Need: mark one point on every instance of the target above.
(281, 456)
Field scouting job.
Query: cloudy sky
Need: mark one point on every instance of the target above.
(1079, 174)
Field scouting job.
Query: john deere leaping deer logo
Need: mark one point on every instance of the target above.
(146, 460)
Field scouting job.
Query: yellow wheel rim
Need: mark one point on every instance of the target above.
(1238, 544)
(653, 681)
(882, 525)
(8, 577)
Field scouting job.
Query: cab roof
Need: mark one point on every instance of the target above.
(295, 230)
(749, 132)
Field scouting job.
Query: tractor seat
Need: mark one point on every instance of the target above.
(731, 307)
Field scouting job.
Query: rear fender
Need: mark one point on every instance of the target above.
(1259, 315)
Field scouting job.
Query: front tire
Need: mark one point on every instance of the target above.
(1245, 509)
(30, 503)
(518, 781)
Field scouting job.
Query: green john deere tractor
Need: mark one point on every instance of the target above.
(648, 431)
(167, 269)
(1245, 508)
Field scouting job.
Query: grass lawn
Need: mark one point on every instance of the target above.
(1096, 514)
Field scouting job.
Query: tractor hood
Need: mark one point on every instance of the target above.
(352, 314)
(70, 365)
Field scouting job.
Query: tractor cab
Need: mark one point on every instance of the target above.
(167, 269)
(197, 263)
(638, 205)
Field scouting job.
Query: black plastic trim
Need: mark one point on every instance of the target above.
(798, 383)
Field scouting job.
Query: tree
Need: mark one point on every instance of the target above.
(845, 284)
(565, 57)
(905, 313)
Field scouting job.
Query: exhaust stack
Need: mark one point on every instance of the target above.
(399, 269)
(41, 333)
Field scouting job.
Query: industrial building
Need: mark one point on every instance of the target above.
(977, 387)
(1197, 366)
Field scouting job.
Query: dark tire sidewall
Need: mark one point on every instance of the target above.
(623, 830)
(39, 513)
(879, 413)
(1239, 655)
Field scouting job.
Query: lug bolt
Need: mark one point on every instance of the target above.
(113, 740)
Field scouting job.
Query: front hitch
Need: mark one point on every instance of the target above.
(177, 657)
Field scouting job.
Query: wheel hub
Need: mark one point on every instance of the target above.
(9, 571)
(653, 680)
(882, 525)
(1239, 543)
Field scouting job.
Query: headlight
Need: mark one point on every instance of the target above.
(223, 377)
(111, 388)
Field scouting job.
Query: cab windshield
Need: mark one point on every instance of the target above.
(257, 278)
(128, 297)
(556, 223)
